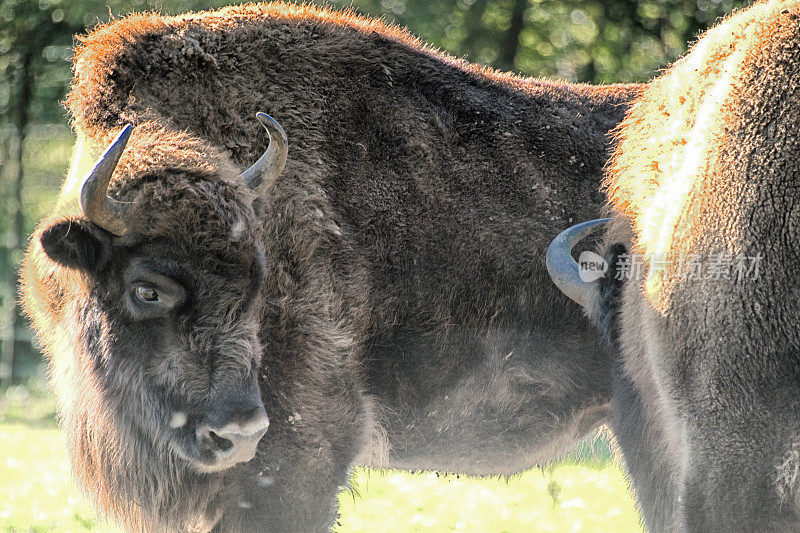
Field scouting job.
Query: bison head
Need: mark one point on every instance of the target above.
(149, 305)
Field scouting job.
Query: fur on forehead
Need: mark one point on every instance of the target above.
(186, 190)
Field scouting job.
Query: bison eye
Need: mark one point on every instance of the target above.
(146, 294)
(151, 293)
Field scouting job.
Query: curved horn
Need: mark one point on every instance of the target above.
(106, 212)
(562, 267)
(266, 170)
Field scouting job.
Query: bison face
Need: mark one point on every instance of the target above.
(206, 357)
(171, 342)
(149, 302)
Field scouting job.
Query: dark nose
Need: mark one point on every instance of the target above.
(235, 440)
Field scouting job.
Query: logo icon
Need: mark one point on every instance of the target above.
(591, 266)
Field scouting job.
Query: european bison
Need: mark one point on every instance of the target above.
(704, 194)
(384, 301)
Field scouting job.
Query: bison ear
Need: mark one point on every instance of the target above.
(75, 244)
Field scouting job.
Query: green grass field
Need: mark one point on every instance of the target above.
(37, 494)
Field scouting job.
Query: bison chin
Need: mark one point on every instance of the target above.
(159, 463)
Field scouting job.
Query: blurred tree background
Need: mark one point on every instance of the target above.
(600, 41)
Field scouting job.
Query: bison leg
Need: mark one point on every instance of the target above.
(641, 444)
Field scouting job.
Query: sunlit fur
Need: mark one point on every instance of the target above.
(405, 317)
(707, 399)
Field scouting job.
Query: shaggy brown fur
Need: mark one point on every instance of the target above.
(404, 304)
(706, 402)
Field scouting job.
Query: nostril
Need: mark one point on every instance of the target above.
(221, 443)
(234, 440)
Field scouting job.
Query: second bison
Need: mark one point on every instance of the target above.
(704, 199)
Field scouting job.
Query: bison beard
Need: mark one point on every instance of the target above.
(386, 297)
